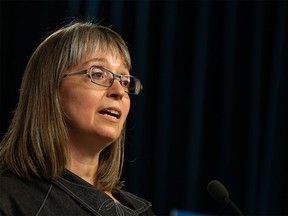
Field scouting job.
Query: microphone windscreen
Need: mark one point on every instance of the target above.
(217, 190)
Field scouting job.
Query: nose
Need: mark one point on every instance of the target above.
(116, 90)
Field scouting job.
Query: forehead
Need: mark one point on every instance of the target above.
(100, 50)
(108, 58)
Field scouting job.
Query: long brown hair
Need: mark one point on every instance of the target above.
(34, 144)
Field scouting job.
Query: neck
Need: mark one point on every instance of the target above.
(85, 171)
(83, 164)
(86, 168)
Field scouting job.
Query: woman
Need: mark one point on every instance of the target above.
(63, 151)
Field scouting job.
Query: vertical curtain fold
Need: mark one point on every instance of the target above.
(138, 145)
(163, 92)
(269, 143)
(91, 9)
(117, 9)
(228, 88)
(193, 151)
(73, 8)
(255, 110)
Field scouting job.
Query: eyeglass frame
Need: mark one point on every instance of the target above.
(89, 70)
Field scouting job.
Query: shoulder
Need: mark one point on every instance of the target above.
(16, 193)
(141, 205)
(11, 184)
(9, 180)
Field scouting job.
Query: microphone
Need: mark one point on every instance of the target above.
(219, 192)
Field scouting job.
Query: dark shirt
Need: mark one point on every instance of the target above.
(65, 195)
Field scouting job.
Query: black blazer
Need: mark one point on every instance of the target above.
(65, 195)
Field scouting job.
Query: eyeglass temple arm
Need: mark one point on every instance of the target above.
(77, 73)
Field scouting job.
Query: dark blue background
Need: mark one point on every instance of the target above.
(214, 104)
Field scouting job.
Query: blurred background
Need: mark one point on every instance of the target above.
(214, 104)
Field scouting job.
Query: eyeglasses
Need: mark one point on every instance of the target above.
(104, 77)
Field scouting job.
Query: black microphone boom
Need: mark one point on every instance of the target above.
(219, 192)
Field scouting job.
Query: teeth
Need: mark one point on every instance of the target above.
(113, 112)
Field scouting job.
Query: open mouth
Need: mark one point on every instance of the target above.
(110, 112)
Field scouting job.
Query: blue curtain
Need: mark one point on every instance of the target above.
(214, 104)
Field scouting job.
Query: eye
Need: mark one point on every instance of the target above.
(126, 81)
(98, 74)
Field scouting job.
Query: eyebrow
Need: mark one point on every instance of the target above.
(104, 60)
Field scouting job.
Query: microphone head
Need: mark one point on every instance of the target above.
(218, 191)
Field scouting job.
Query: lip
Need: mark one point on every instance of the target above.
(112, 114)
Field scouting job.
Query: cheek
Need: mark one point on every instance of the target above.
(126, 109)
(77, 104)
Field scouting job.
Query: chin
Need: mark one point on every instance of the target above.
(109, 137)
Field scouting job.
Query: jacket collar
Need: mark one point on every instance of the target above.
(96, 201)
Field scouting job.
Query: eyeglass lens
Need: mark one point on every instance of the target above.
(103, 77)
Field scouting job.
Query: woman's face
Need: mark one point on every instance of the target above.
(95, 114)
